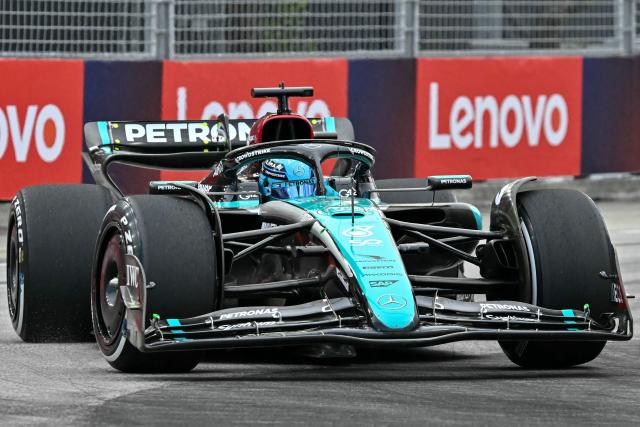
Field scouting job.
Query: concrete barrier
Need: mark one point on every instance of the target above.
(490, 117)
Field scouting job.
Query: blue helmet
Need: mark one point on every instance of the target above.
(286, 179)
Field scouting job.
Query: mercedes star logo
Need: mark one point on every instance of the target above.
(358, 231)
(392, 301)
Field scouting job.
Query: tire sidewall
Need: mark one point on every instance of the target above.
(532, 293)
(17, 223)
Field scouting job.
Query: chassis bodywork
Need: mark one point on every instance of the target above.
(361, 271)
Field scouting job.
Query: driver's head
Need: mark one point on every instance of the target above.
(286, 179)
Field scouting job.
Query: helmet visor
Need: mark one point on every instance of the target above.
(293, 189)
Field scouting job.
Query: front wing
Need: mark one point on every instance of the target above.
(339, 320)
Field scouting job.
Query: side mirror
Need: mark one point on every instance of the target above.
(449, 182)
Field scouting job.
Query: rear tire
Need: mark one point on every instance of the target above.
(172, 239)
(52, 233)
(569, 247)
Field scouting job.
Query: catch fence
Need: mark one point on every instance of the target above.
(223, 29)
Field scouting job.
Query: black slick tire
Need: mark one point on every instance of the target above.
(569, 246)
(51, 235)
(172, 239)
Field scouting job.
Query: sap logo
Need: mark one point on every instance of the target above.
(381, 283)
(244, 110)
(35, 124)
(508, 120)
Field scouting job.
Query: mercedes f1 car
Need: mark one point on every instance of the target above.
(289, 241)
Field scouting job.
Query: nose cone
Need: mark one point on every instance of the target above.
(394, 312)
(370, 250)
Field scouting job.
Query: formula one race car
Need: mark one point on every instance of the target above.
(289, 241)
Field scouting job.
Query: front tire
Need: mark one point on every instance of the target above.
(172, 239)
(568, 246)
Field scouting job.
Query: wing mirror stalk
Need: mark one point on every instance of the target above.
(435, 183)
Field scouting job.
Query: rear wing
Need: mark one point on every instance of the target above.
(220, 136)
(185, 145)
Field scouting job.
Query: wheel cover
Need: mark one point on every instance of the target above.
(109, 307)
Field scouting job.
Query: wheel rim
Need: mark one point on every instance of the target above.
(110, 309)
(13, 274)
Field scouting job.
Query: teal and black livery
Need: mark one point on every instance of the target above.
(343, 263)
(372, 258)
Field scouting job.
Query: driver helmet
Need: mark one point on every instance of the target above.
(286, 179)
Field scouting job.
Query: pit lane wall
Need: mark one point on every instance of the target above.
(489, 117)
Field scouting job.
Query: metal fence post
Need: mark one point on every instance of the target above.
(487, 17)
(163, 28)
(171, 29)
(632, 26)
(625, 25)
(401, 24)
(410, 27)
